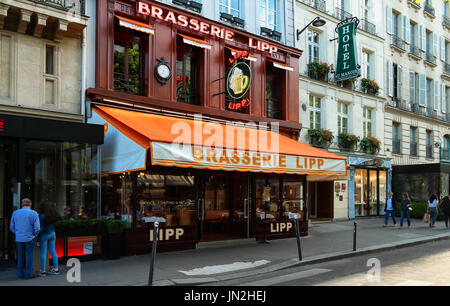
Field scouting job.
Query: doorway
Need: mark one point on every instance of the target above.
(321, 195)
(224, 207)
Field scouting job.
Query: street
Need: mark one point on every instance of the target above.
(422, 265)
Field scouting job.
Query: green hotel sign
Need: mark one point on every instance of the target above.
(347, 58)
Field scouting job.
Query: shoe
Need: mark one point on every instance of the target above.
(384, 225)
(396, 225)
(53, 272)
(43, 274)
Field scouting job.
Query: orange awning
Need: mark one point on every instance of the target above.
(205, 145)
(196, 42)
(136, 25)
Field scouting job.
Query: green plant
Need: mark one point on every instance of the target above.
(370, 85)
(320, 137)
(318, 70)
(115, 226)
(347, 141)
(370, 145)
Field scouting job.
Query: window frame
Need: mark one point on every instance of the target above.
(367, 121)
(314, 111)
(267, 10)
(229, 8)
(341, 116)
(313, 45)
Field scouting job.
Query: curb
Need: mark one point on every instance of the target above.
(296, 263)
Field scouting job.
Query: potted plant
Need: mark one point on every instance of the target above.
(114, 230)
(370, 145)
(348, 141)
(318, 71)
(370, 86)
(320, 138)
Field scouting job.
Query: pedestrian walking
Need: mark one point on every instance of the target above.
(25, 226)
(406, 204)
(445, 206)
(48, 217)
(433, 204)
(390, 209)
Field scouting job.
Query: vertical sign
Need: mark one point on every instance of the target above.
(2, 125)
(347, 57)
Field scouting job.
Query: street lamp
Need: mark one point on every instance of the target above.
(317, 22)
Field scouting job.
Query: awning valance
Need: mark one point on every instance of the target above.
(179, 142)
(196, 42)
(281, 65)
(136, 25)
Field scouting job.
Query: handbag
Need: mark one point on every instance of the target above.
(426, 217)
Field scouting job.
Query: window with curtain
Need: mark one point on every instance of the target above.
(232, 7)
(268, 13)
(314, 112)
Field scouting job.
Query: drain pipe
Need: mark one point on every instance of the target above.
(83, 74)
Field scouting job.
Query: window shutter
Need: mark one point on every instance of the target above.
(421, 37)
(442, 48)
(412, 87)
(388, 19)
(436, 95)
(408, 31)
(403, 28)
(422, 89)
(435, 44)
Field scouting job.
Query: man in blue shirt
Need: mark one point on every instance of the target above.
(25, 225)
(390, 209)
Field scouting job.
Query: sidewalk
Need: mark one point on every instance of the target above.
(327, 241)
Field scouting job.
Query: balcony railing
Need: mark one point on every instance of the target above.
(341, 14)
(398, 42)
(414, 3)
(445, 154)
(429, 9)
(429, 150)
(76, 6)
(414, 50)
(430, 58)
(413, 149)
(396, 146)
(317, 4)
(446, 21)
(367, 26)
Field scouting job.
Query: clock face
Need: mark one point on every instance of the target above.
(164, 71)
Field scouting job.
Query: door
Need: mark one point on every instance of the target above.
(241, 208)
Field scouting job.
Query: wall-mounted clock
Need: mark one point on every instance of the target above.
(163, 72)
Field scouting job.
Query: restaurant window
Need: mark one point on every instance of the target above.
(293, 201)
(274, 95)
(129, 75)
(314, 112)
(268, 199)
(189, 60)
(342, 118)
(367, 121)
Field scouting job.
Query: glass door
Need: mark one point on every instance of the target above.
(241, 208)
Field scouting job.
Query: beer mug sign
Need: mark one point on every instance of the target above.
(238, 81)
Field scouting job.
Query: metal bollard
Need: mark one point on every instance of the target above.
(152, 258)
(354, 236)
(299, 247)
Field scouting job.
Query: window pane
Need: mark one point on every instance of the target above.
(49, 60)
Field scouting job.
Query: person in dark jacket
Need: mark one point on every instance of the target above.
(406, 204)
(48, 217)
(390, 209)
(445, 206)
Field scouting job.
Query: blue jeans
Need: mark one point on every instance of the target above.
(433, 215)
(48, 239)
(25, 258)
(405, 213)
(386, 219)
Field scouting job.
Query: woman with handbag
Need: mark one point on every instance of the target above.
(406, 206)
(48, 217)
(433, 204)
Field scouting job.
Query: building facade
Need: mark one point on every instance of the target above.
(48, 153)
(417, 40)
(344, 108)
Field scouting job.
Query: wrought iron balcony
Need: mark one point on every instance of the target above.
(446, 21)
(415, 51)
(75, 6)
(398, 42)
(413, 149)
(430, 58)
(367, 26)
(429, 9)
(341, 14)
(317, 4)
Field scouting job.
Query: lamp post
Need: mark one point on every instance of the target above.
(317, 22)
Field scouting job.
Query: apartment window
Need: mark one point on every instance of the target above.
(429, 144)
(313, 46)
(413, 87)
(413, 141)
(396, 138)
(367, 65)
(367, 121)
(395, 24)
(267, 12)
(189, 59)
(314, 112)
(429, 93)
(445, 150)
(366, 10)
(50, 76)
(397, 82)
(232, 7)
(342, 118)
(429, 42)
(274, 96)
(50, 60)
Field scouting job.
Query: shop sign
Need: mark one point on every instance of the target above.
(154, 11)
(238, 80)
(168, 234)
(347, 59)
(281, 227)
